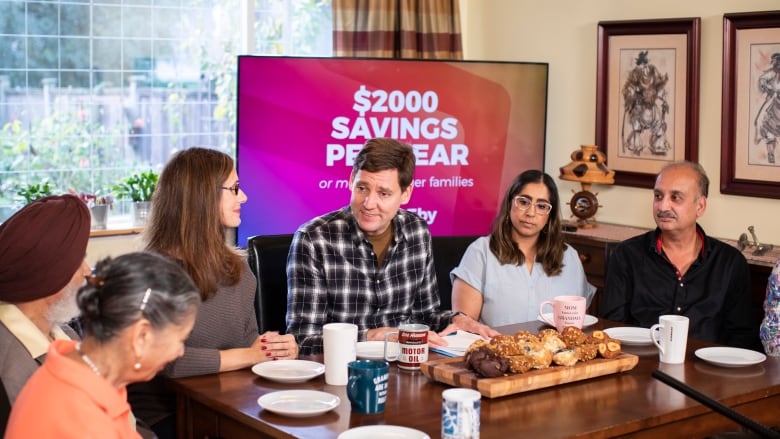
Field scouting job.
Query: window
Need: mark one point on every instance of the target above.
(92, 91)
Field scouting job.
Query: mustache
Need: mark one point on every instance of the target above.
(665, 214)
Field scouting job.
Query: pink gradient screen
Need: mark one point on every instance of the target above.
(473, 125)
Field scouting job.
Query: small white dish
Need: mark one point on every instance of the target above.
(299, 403)
(383, 432)
(730, 357)
(631, 336)
(375, 349)
(589, 319)
(289, 371)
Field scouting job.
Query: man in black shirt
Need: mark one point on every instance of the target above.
(678, 269)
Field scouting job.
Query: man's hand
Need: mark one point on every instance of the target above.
(379, 333)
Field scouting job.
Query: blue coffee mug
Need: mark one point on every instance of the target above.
(367, 385)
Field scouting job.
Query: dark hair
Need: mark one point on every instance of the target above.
(384, 154)
(124, 289)
(701, 175)
(549, 247)
(185, 221)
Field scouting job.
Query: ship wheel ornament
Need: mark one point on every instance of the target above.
(588, 166)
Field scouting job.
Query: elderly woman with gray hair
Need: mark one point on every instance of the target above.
(136, 310)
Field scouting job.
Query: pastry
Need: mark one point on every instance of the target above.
(573, 336)
(610, 348)
(587, 351)
(524, 351)
(486, 363)
(566, 357)
(552, 342)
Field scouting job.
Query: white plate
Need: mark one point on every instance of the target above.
(375, 349)
(298, 403)
(730, 357)
(289, 371)
(383, 432)
(589, 319)
(632, 336)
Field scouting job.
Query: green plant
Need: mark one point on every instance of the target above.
(137, 187)
(32, 192)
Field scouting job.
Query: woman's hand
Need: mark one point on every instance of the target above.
(466, 323)
(276, 346)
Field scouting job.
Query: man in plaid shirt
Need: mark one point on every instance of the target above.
(369, 263)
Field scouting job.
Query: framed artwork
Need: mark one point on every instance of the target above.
(750, 122)
(647, 95)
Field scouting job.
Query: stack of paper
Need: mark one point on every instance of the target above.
(457, 344)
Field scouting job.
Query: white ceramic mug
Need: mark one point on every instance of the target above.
(670, 335)
(412, 345)
(339, 343)
(567, 311)
(460, 413)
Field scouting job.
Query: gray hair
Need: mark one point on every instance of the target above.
(137, 285)
(703, 180)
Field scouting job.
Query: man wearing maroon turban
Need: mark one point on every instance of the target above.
(42, 266)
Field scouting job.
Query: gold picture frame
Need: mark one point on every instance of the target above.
(647, 95)
(750, 104)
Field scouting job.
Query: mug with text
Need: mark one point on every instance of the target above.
(412, 344)
(460, 412)
(670, 335)
(567, 311)
(367, 385)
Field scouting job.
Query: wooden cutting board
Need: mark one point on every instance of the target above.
(453, 371)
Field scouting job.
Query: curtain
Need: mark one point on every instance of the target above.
(422, 29)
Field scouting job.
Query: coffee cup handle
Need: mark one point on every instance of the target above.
(541, 312)
(656, 329)
(387, 356)
(352, 382)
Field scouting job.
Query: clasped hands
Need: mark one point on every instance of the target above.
(277, 346)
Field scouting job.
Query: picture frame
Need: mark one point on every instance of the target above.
(751, 62)
(647, 95)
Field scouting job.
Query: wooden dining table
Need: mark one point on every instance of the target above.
(625, 404)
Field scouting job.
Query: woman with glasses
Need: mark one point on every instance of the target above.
(504, 277)
(196, 200)
(136, 311)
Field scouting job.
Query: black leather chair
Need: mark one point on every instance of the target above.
(447, 252)
(268, 261)
(595, 306)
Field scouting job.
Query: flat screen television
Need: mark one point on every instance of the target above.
(474, 125)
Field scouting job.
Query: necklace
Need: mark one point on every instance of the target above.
(87, 360)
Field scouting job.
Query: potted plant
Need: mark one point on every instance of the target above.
(98, 207)
(31, 192)
(138, 188)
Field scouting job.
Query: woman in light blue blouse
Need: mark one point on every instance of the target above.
(503, 277)
(770, 326)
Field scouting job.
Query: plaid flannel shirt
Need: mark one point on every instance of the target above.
(333, 277)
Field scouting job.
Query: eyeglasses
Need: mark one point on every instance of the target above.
(525, 203)
(233, 188)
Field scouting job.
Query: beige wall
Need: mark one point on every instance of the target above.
(563, 34)
(100, 247)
